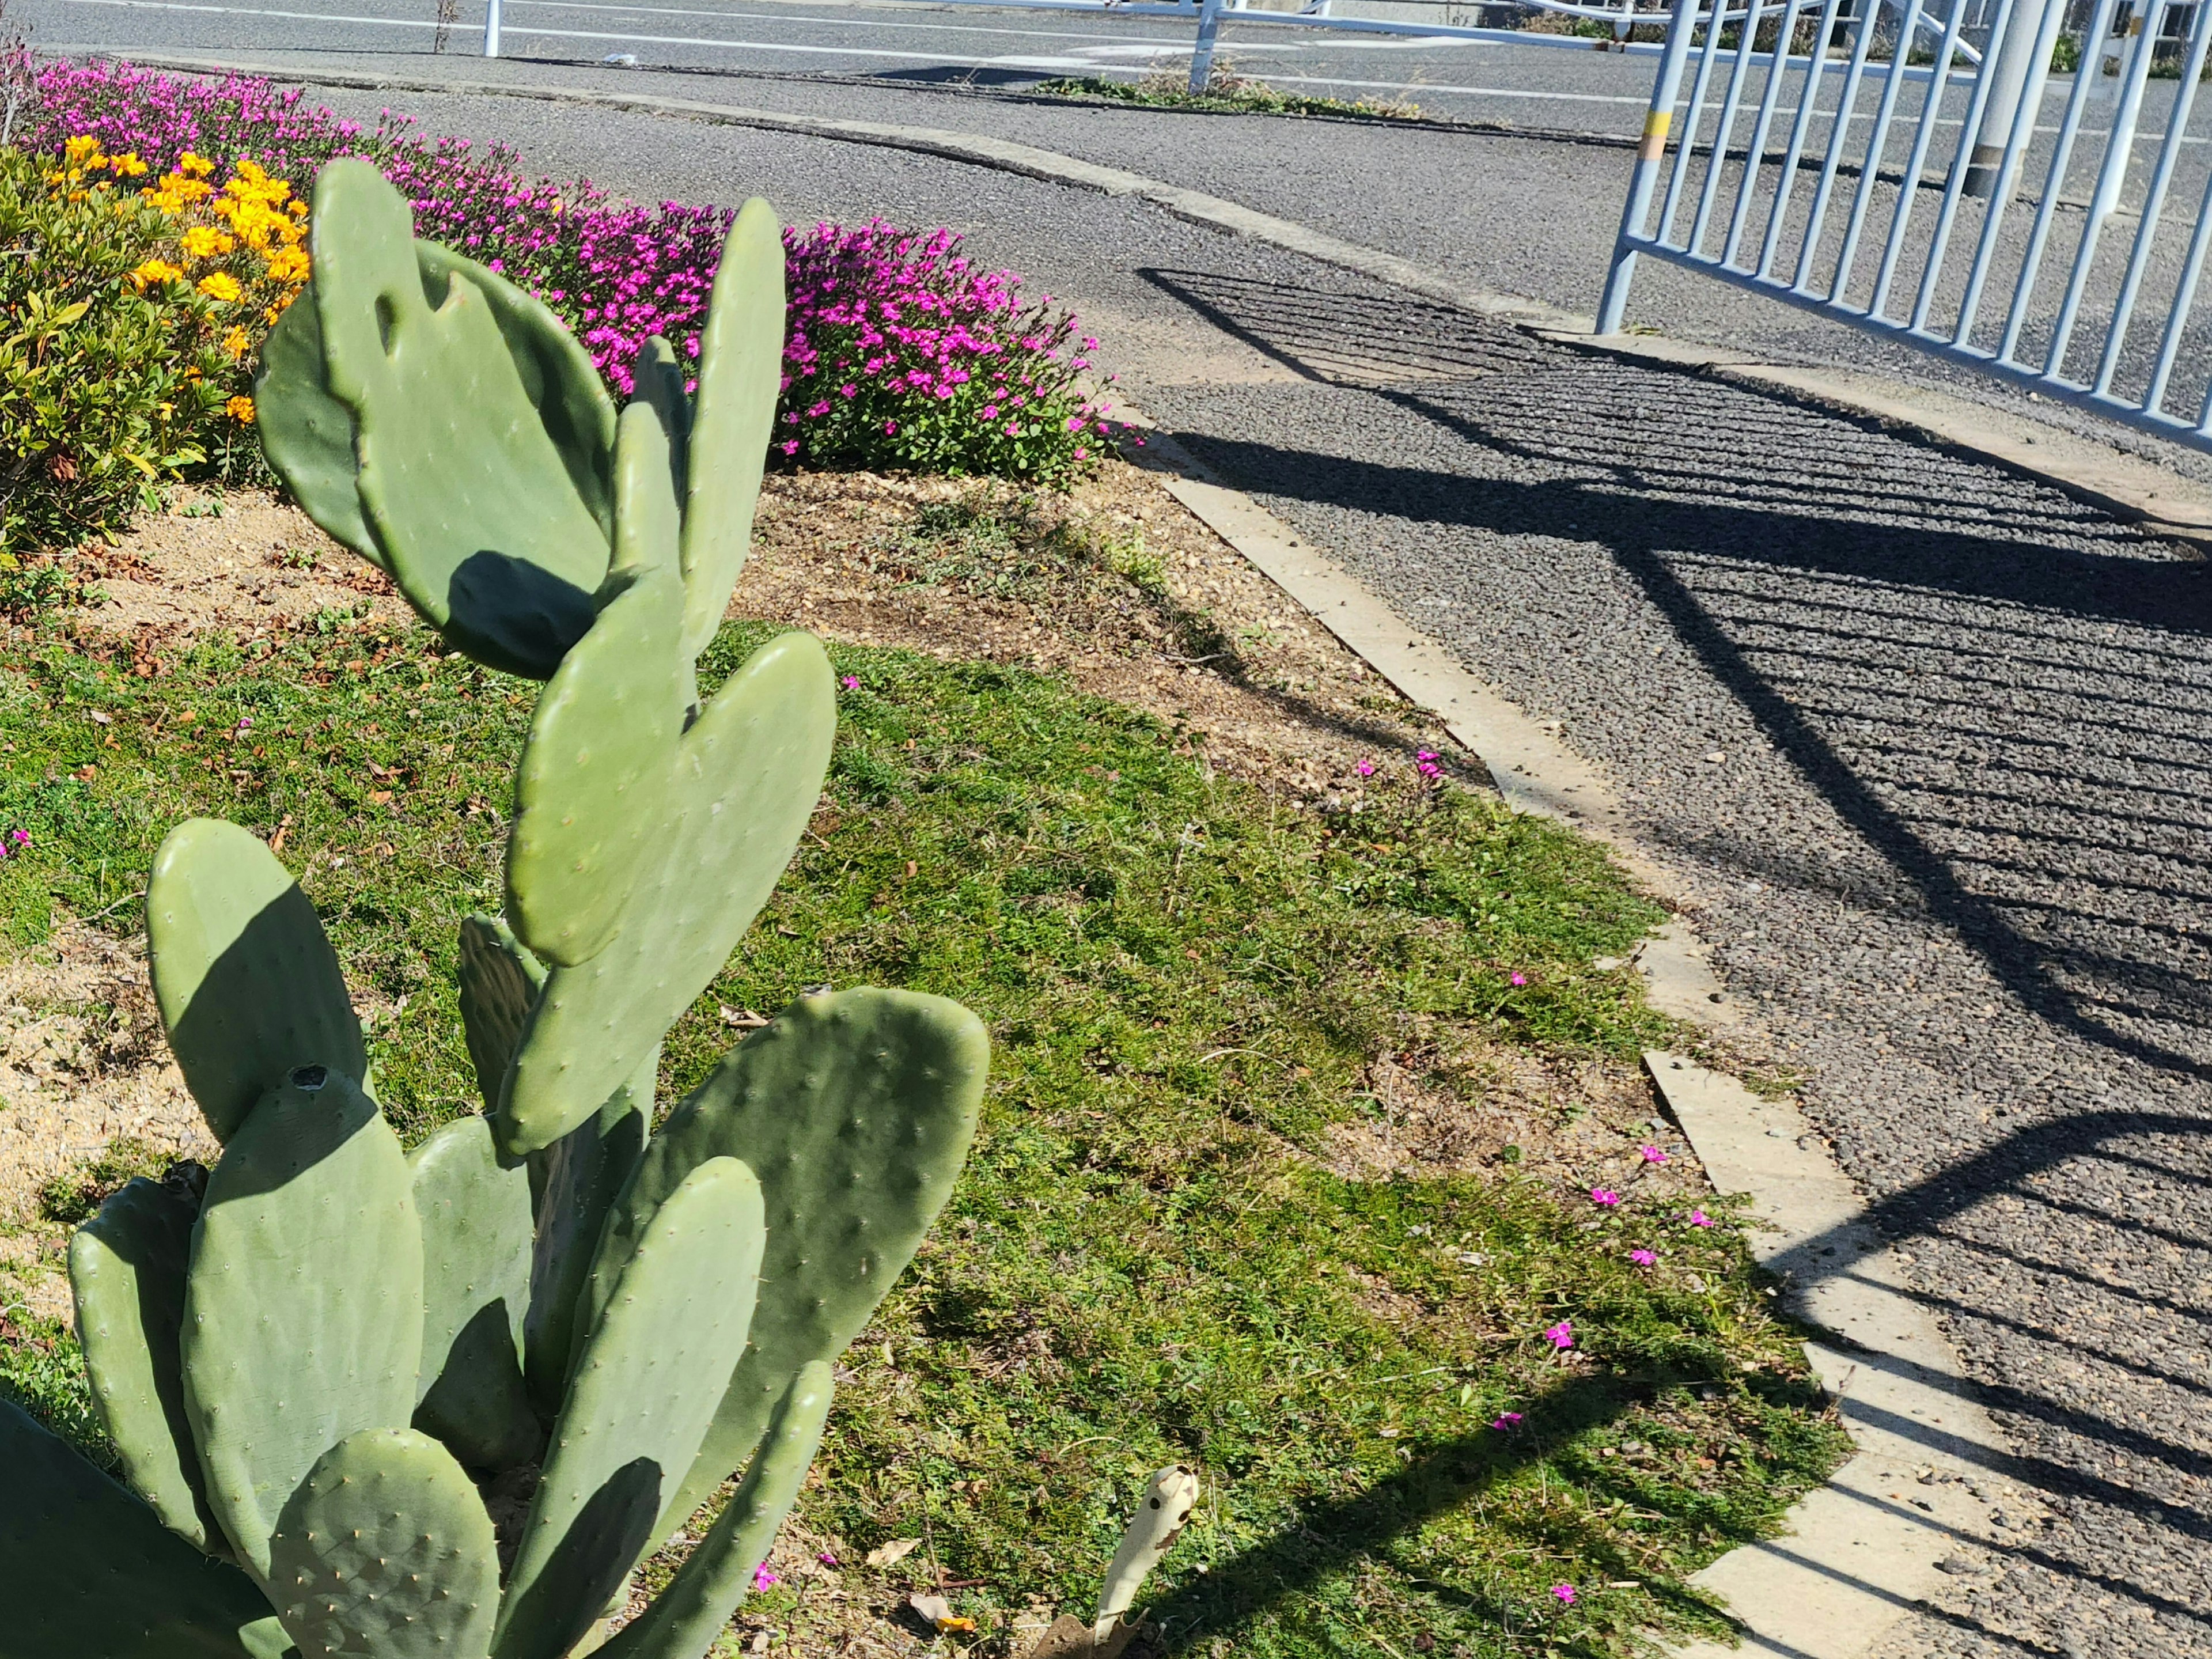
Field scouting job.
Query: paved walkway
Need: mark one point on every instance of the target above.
(1935, 743)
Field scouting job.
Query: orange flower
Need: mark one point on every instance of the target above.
(126, 165)
(241, 408)
(198, 165)
(206, 242)
(82, 149)
(154, 271)
(237, 343)
(290, 264)
(221, 285)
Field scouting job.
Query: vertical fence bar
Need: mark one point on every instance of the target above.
(1613, 304)
(491, 29)
(2007, 175)
(1846, 101)
(1731, 102)
(2085, 77)
(2169, 155)
(1947, 214)
(1877, 142)
(1681, 176)
(1776, 68)
(2111, 176)
(2176, 320)
(1201, 50)
(1939, 83)
(1808, 96)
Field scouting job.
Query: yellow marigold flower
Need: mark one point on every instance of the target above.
(206, 242)
(154, 271)
(241, 408)
(236, 343)
(198, 165)
(126, 165)
(221, 285)
(290, 264)
(82, 149)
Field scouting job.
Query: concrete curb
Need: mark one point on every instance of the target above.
(1863, 1550)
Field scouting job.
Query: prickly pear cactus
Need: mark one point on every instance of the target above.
(312, 1358)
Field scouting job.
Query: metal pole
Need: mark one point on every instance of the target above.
(1201, 52)
(1665, 85)
(2120, 142)
(2009, 70)
(491, 29)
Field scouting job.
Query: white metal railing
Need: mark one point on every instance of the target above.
(1209, 16)
(2008, 273)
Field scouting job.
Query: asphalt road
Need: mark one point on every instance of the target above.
(1930, 740)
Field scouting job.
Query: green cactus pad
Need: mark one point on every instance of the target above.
(588, 794)
(469, 500)
(476, 1225)
(856, 1111)
(673, 1315)
(248, 986)
(309, 436)
(659, 376)
(649, 516)
(746, 777)
(385, 1551)
(499, 981)
(686, 1618)
(86, 1572)
(303, 1306)
(578, 1176)
(127, 1272)
(740, 365)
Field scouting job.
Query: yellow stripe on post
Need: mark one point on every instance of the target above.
(1655, 124)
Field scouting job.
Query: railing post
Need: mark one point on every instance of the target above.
(491, 29)
(1666, 85)
(1201, 52)
(2011, 68)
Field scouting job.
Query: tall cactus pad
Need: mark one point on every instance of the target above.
(745, 778)
(856, 1109)
(303, 1308)
(86, 1572)
(674, 1313)
(476, 1225)
(684, 1620)
(469, 500)
(579, 1176)
(499, 981)
(589, 794)
(127, 1270)
(740, 365)
(248, 986)
(386, 1551)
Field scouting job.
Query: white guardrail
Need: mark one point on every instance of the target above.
(1210, 14)
(2045, 297)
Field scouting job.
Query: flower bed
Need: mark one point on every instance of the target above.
(903, 352)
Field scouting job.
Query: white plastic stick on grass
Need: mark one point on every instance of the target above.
(1169, 1497)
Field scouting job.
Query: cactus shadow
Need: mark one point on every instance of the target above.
(511, 614)
(571, 1591)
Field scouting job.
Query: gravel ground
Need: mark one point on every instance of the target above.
(1930, 740)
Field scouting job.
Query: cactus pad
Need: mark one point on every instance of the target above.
(127, 1272)
(856, 1111)
(472, 502)
(385, 1551)
(248, 986)
(499, 981)
(579, 1176)
(684, 1618)
(86, 1572)
(475, 1224)
(740, 366)
(303, 1306)
(672, 1314)
(589, 794)
(746, 776)
(659, 380)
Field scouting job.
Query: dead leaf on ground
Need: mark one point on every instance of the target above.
(936, 1613)
(898, 1550)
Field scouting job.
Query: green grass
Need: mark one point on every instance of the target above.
(1148, 1260)
(1226, 92)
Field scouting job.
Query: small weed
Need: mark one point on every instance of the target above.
(74, 1196)
(299, 558)
(1226, 92)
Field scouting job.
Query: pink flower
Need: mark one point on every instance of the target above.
(1644, 1258)
(1699, 1218)
(1604, 1197)
(762, 1577)
(826, 1558)
(1506, 1422)
(789, 445)
(1366, 769)
(1561, 1335)
(1565, 1594)
(1519, 978)
(851, 682)
(1651, 1154)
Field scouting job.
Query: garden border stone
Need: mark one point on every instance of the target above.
(1863, 1550)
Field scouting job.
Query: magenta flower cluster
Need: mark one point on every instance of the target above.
(901, 352)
